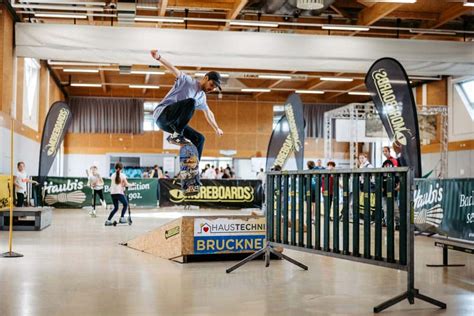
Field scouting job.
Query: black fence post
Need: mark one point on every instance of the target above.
(355, 215)
(345, 214)
(309, 211)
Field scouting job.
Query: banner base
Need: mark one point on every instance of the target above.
(11, 254)
(410, 296)
(266, 251)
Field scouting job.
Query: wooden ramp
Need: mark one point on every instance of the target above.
(210, 235)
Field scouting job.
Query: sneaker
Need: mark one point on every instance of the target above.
(94, 214)
(108, 223)
(123, 220)
(104, 205)
(177, 140)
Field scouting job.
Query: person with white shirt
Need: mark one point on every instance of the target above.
(20, 181)
(96, 183)
(364, 163)
(118, 184)
(210, 173)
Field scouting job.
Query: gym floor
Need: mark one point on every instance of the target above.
(77, 267)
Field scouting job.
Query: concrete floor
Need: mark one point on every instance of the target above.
(77, 267)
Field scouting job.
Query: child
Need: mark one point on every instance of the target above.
(21, 179)
(97, 184)
(118, 183)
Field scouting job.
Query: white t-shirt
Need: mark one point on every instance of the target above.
(117, 188)
(210, 174)
(21, 180)
(184, 87)
(95, 182)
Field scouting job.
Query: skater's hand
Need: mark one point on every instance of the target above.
(219, 132)
(154, 54)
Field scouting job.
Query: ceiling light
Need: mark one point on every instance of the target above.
(61, 15)
(158, 19)
(336, 79)
(143, 86)
(146, 7)
(73, 63)
(309, 91)
(92, 85)
(430, 31)
(358, 93)
(147, 72)
(85, 3)
(279, 77)
(437, 78)
(56, 7)
(81, 70)
(255, 90)
(345, 27)
(253, 23)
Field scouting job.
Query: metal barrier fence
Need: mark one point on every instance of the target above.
(299, 217)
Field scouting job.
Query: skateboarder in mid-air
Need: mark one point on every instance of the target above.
(175, 111)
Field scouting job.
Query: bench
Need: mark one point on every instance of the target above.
(26, 218)
(452, 245)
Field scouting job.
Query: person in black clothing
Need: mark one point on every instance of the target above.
(157, 174)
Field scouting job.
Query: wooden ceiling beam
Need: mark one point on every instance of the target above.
(370, 15)
(231, 15)
(276, 83)
(413, 15)
(102, 80)
(453, 12)
(163, 6)
(340, 12)
(347, 87)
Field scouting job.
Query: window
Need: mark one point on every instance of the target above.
(468, 88)
(148, 120)
(31, 92)
(466, 91)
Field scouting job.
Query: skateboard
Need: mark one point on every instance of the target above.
(189, 170)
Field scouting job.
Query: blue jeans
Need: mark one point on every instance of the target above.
(175, 118)
(116, 198)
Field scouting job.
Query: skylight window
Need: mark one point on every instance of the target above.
(465, 89)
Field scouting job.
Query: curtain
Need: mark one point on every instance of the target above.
(106, 115)
(314, 118)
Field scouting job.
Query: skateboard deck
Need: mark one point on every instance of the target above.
(189, 171)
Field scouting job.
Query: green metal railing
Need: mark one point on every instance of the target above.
(340, 213)
(302, 214)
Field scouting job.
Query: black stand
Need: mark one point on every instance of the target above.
(445, 257)
(411, 292)
(267, 251)
(11, 254)
(410, 295)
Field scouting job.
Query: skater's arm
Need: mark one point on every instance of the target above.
(175, 71)
(212, 121)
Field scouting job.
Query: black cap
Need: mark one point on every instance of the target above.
(216, 77)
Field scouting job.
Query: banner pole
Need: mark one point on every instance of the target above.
(10, 253)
